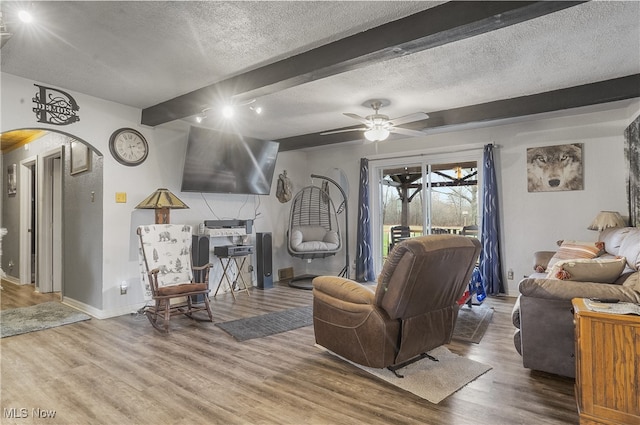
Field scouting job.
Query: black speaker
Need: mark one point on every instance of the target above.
(263, 258)
(199, 250)
(199, 257)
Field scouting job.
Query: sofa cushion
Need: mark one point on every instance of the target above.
(631, 280)
(313, 239)
(613, 237)
(630, 248)
(541, 260)
(600, 270)
(572, 250)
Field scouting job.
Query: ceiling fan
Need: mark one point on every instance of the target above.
(379, 126)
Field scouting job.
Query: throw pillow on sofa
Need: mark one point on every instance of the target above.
(573, 250)
(600, 270)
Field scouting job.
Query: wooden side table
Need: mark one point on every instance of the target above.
(607, 366)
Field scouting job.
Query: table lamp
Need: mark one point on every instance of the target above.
(163, 201)
(606, 219)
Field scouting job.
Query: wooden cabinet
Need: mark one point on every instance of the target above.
(607, 366)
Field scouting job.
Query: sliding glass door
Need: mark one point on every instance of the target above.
(453, 194)
(437, 195)
(401, 204)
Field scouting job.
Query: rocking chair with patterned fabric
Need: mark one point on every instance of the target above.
(168, 276)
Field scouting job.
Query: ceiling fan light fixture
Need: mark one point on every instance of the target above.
(376, 134)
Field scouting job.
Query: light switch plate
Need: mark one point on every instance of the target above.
(121, 197)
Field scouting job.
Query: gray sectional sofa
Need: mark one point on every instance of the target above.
(543, 315)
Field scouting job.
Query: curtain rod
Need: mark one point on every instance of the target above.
(421, 154)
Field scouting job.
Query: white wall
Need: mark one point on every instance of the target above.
(98, 119)
(163, 168)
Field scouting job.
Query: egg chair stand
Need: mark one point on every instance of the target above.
(314, 231)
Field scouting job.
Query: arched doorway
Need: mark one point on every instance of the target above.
(42, 216)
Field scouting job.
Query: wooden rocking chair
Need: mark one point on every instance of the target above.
(168, 276)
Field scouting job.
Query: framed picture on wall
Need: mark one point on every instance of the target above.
(12, 180)
(80, 158)
(555, 168)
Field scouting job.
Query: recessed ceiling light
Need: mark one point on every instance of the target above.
(25, 16)
(227, 111)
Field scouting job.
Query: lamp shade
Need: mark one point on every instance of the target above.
(162, 200)
(606, 219)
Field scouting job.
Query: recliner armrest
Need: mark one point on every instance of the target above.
(343, 289)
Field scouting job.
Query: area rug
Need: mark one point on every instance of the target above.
(38, 317)
(268, 324)
(472, 323)
(470, 326)
(430, 380)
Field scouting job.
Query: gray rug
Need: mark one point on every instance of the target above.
(269, 324)
(472, 323)
(470, 327)
(38, 317)
(432, 381)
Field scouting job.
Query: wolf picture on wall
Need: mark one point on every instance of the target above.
(555, 168)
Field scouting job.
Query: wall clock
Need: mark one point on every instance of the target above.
(128, 146)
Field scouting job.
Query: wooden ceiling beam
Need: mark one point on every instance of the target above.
(446, 23)
(572, 97)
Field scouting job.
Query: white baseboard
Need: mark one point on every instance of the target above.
(12, 279)
(101, 314)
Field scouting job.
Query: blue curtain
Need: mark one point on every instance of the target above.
(364, 258)
(490, 267)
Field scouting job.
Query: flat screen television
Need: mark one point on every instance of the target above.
(218, 162)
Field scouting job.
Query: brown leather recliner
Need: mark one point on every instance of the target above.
(413, 310)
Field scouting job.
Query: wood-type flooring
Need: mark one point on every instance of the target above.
(122, 371)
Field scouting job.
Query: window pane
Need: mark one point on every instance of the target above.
(402, 201)
(454, 198)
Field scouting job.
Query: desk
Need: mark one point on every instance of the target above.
(239, 261)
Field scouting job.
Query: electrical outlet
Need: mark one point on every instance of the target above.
(510, 274)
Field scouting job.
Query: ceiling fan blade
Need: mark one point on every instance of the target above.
(342, 131)
(407, 132)
(409, 118)
(358, 118)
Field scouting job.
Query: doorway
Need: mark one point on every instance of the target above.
(67, 234)
(437, 195)
(41, 223)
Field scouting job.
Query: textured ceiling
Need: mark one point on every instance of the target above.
(144, 53)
